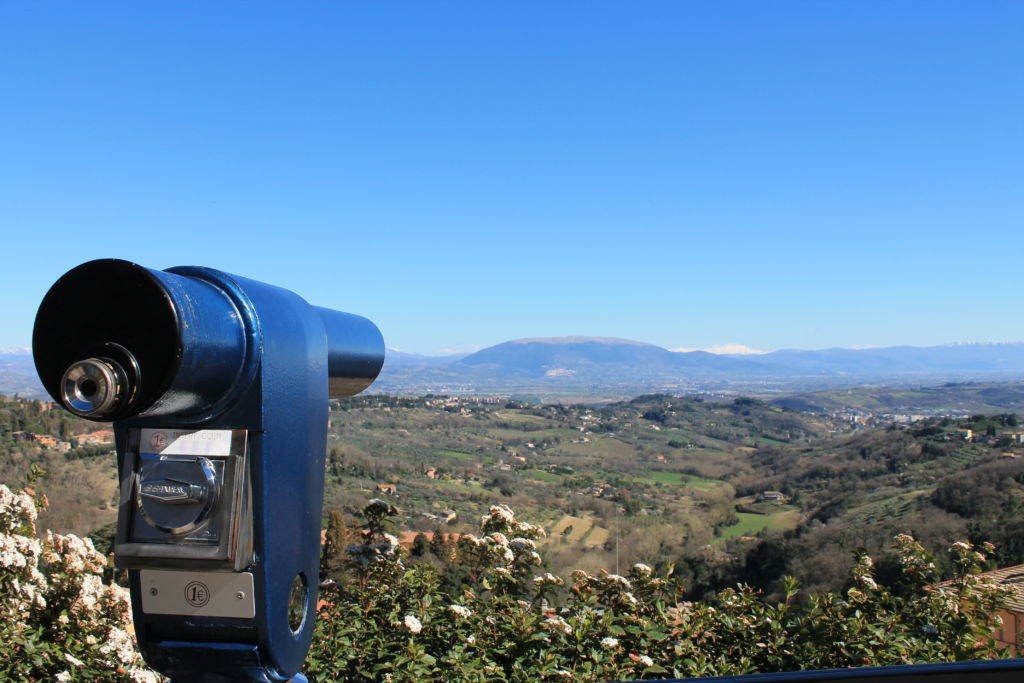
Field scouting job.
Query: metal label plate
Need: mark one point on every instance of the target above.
(186, 441)
(201, 594)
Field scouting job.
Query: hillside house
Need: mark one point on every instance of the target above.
(47, 441)
(44, 440)
(965, 434)
(431, 473)
(778, 496)
(445, 516)
(1013, 615)
(97, 438)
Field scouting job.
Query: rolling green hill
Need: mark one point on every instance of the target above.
(656, 479)
(949, 398)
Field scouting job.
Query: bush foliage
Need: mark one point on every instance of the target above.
(62, 623)
(383, 619)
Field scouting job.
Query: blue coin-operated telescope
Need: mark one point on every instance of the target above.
(217, 387)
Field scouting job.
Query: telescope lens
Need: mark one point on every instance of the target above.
(93, 387)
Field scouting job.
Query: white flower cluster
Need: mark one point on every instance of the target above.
(522, 544)
(494, 550)
(530, 530)
(19, 557)
(79, 606)
(555, 623)
(17, 509)
(498, 512)
(385, 549)
(460, 611)
(412, 623)
(867, 582)
(911, 552)
(491, 550)
(73, 554)
(621, 581)
(500, 518)
(547, 579)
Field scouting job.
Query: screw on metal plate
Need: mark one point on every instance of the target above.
(240, 595)
(153, 591)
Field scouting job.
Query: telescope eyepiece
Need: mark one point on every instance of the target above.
(94, 388)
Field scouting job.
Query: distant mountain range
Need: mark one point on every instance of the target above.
(589, 364)
(599, 366)
(18, 374)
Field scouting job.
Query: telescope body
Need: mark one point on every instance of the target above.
(217, 387)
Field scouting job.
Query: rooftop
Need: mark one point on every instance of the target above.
(1009, 577)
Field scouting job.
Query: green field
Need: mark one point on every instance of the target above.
(751, 523)
(680, 479)
(666, 478)
(702, 482)
(509, 416)
(455, 454)
(599, 445)
(541, 475)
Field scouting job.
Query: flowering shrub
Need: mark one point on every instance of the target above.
(61, 622)
(512, 622)
(387, 621)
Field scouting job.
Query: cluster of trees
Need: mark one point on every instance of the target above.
(81, 483)
(942, 500)
(21, 414)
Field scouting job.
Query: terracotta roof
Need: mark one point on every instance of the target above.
(1009, 577)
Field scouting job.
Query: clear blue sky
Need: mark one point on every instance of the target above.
(775, 174)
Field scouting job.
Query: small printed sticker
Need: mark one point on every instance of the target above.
(186, 441)
(158, 440)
